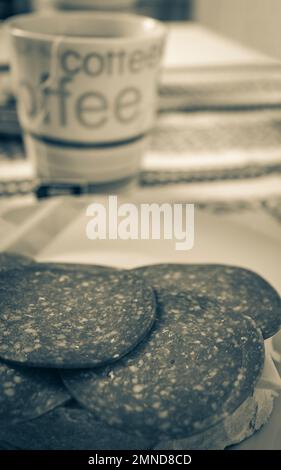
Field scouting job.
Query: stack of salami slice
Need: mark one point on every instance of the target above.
(163, 356)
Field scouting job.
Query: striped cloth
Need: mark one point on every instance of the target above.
(186, 148)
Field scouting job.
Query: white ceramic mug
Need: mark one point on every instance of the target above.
(86, 86)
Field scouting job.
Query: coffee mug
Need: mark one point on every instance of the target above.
(86, 86)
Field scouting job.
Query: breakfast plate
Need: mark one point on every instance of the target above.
(56, 230)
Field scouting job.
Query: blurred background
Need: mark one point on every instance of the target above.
(219, 121)
(162, 9)
(253, 22)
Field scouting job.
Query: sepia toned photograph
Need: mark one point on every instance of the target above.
(140, 230)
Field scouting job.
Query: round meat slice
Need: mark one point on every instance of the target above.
(237, 289)
(56, 318)
(94, 269)
(195, 368)
(28, 393)
(13, 260)
(70, 428)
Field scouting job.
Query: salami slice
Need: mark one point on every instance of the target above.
(28, 393)
(12, 261)
(196, 367)
(70, 428)
(56, 318)
(236, 289)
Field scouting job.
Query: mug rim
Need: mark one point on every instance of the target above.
(155, 28)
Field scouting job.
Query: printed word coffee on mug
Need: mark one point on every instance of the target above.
(90, 102)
